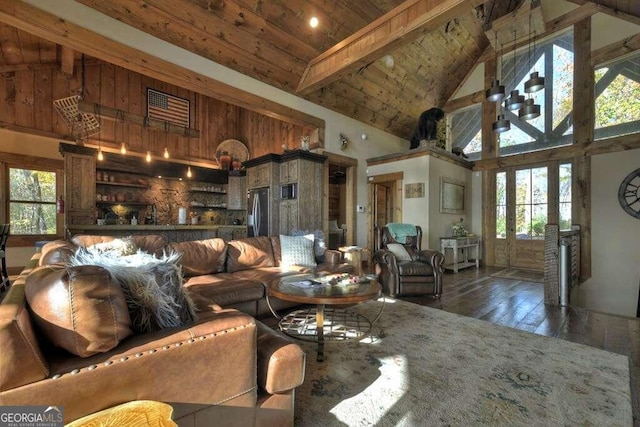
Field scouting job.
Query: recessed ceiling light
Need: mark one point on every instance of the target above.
(313, 22)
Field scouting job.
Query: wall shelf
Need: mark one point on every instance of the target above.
(122, 184)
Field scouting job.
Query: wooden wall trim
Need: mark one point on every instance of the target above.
(13, 159)
(465, 101)
(386, 177)
(33, 131)
(567, 152)
(419, 152)
(64, 33)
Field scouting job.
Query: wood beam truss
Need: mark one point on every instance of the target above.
(398, 27)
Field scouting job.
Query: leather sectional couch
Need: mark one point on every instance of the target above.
(226, 367)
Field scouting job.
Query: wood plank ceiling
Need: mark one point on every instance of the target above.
(272, 41)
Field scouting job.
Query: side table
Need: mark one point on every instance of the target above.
(461, 247)
(353, 255)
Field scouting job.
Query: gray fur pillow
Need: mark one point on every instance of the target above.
(152, 286)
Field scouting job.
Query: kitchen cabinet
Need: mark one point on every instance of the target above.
(289, 171)
(289, 216)
(259, 176)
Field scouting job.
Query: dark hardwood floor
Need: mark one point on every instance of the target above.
(520, 304)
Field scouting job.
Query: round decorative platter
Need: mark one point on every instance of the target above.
(233, 147)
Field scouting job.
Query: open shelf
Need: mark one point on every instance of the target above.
(132, 203)
(121, 184)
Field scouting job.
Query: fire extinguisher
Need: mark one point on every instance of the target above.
(60, 205)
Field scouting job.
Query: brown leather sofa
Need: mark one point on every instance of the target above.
(225, 366)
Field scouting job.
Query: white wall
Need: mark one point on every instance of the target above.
(425, 211)
(440, 223)
(377, 142)
(615, 240)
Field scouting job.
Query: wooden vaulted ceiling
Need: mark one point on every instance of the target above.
(272, 41)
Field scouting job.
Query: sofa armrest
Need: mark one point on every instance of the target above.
(281, 363)
(209, 362)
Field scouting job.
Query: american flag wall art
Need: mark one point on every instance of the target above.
(167, 108)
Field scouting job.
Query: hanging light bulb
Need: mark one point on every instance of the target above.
(534, 84)
(502, 124)
(189, 175)
(515, 101)
(100, 155)
(496, 92)
(123, 149)
(166, 153)
(530, 110)
(148, 158)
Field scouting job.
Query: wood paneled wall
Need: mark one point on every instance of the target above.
(27, 105)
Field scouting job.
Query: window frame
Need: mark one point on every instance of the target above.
(20, 161)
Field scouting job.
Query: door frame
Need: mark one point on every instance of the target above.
(396, 200)
(351, 166)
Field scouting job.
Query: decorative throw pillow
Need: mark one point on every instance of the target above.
(319, 244)
(399, 251)
(93, 320)
(152, 287)
(122, 247)
(297, 250)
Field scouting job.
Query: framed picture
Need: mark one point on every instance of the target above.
(412, 191)
(451, 196)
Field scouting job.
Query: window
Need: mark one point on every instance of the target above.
(466, 131)
(32, 202)
(531, 203)
(553, 59)
(617, 91)
(501, 205)
(564, 196)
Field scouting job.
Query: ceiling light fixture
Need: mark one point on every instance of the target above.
(313, 22)
(515, 101)
(502, 124)
(535, 82)
(496, 92)
(531, 110)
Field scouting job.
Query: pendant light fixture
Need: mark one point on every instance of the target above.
(166, 134)
(148, 157)
(535, 82)
(515, 101)
(496, 92)
(97, 114)
(530, 110)
(123, 146)
(502, 124)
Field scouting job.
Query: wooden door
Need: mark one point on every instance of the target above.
(383, 204)
(522, 211)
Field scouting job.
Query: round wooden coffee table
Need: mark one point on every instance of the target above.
(321, 323)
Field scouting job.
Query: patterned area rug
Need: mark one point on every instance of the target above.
(520, 274)
(430, 367)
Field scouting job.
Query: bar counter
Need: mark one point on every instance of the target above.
(171, 232)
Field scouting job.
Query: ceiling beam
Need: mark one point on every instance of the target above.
(49, 27)
(12, 68)
(398, 27)
(66, 60)
(561, 22)
(610, 11)
(615, 50)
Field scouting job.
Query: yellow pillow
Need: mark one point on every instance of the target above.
(139, 413)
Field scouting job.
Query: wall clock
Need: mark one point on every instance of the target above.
(629, 194)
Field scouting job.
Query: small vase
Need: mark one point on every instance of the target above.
(236, 164)
(225, 160)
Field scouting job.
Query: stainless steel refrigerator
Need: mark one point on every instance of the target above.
(258, 212)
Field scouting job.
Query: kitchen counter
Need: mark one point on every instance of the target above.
(171, 232)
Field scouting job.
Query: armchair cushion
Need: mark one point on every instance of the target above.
(399, 251)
